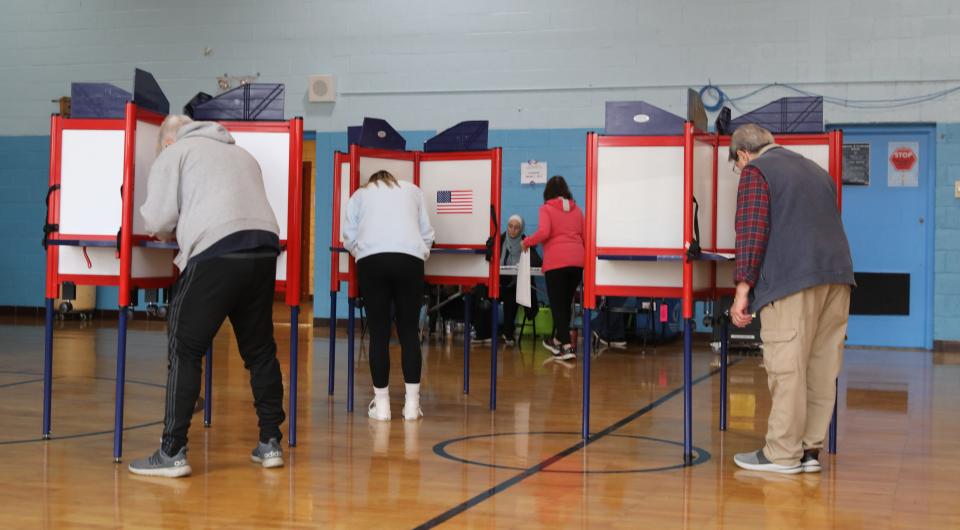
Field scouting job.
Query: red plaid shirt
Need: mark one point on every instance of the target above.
(752, 224)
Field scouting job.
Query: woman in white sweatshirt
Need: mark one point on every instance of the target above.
(388, 232)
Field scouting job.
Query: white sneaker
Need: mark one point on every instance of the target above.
(411, 410)
(618, 344)
(379, 408)
(411, 405)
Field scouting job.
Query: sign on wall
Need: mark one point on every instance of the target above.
(533, 172)
(903, 164)
(856, 164)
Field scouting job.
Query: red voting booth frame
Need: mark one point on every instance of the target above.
(127, 284)
(491, 281)
(690, 138)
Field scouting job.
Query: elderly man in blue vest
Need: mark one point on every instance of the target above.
(794, 268)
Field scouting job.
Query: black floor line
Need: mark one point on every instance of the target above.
(78, 435)
(28, 381)
(533, 470)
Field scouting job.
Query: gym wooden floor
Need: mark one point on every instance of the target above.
(897, 467)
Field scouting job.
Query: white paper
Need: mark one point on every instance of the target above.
(523, 279)
(533, 172)
(903, 164)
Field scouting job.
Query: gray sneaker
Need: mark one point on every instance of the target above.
(268, 454)
(160, 465)
(757, 461)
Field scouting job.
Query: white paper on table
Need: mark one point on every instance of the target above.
(523, 279)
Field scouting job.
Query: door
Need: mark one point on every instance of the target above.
(889, 223)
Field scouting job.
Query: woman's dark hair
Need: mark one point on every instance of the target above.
(556, 187)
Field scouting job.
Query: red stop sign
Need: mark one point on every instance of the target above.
(903, 158)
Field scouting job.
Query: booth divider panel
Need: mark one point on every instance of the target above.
(639, 208)
(272, 151)
(472, 176)
(91, 173)
(145, 153)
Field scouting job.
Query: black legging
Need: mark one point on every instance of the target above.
(561, 286)
(392, 280)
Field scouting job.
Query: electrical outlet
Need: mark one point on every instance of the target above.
(956, 189)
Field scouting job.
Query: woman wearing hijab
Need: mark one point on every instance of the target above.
(388, 232)
(560, 229)
(511, 245)
(510, 249)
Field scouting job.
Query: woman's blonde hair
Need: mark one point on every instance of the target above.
(383, 176)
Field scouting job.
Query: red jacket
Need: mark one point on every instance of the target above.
(560, 229)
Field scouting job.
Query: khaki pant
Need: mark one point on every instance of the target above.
(803, 336)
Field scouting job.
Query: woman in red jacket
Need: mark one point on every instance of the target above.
(560, 229)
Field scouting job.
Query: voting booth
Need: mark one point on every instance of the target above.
(461, 190)
(94, 233)
(649, 205)
(825, 149)
(660, 208)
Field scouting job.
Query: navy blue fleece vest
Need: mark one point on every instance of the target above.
(807, 245)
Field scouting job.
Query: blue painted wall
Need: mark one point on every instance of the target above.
(24, 162)
(946, 297)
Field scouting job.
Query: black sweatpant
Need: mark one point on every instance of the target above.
(561, 287)
(238, 286)
(392, 280)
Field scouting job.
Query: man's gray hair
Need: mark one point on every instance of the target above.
(169, 128)
(750, 138)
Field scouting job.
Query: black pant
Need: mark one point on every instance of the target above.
(482, 311)
(508, 294)
(392, 280)
(561, 287)
(236, 286)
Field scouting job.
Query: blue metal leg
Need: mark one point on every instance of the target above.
(832, 447)
(687, 391)
(494, 350)
(208, 388)
(294, 369)
(587, 337)
(333, 341)
(121, 375)
(47, 368)
(467, 301)
(724, 351)
(351, 323)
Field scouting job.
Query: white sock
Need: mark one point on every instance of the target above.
(413, 392)
(382, 394)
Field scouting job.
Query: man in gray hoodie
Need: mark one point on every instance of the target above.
(208, 193)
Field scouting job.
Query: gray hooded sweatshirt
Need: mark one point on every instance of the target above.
(204, 187)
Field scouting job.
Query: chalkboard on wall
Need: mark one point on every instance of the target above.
(856, 164)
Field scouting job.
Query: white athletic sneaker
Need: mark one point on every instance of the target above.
(379, 408)
(411, 405)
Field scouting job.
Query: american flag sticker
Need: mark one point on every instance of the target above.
(455, 201)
